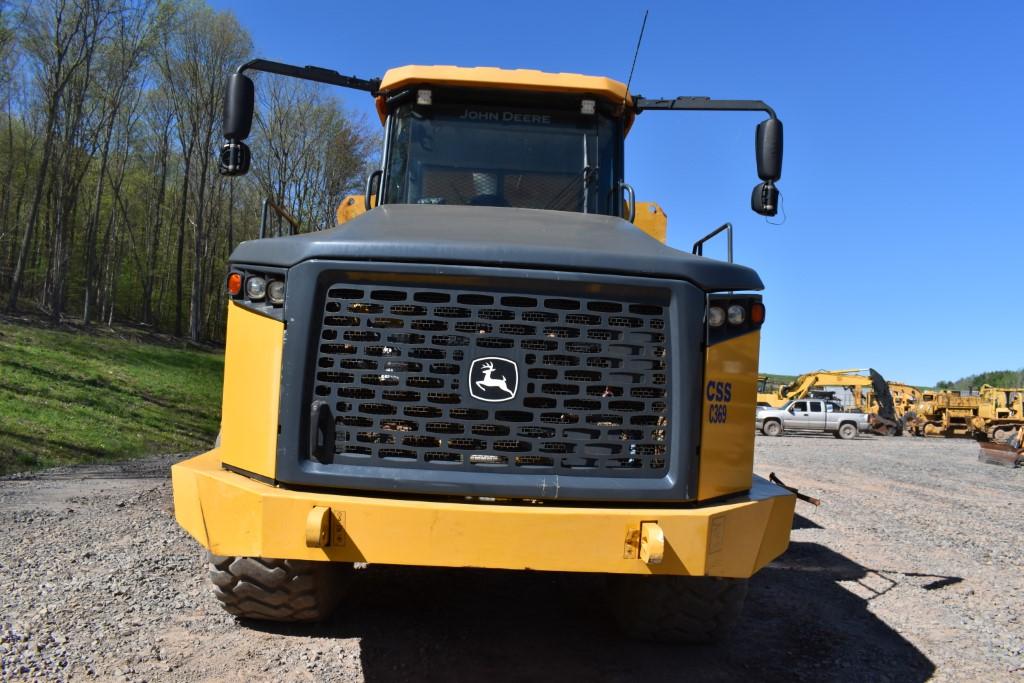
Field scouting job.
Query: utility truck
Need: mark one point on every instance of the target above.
(490, 365)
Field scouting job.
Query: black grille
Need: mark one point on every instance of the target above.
(592, 397)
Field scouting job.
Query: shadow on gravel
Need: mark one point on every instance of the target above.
(464, 624)
(801, 522)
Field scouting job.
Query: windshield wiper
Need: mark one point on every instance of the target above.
(587, 176)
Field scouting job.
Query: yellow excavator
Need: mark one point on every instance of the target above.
(870, 394)
(802, 386)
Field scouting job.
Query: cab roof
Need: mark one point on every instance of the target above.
(493, 78)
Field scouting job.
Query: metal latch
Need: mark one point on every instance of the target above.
(646, 543)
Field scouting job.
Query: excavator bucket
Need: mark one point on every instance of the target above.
(885, 422)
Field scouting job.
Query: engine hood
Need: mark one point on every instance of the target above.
(501, 237)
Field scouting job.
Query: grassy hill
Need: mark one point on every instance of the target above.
(997, 378)
(74, 395)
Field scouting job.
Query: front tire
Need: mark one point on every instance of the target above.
(771, 428)
(847, 430)
(679, 609)
(277, 590)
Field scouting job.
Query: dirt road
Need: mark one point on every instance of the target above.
(912, 568)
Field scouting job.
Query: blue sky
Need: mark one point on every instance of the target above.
(903, 245)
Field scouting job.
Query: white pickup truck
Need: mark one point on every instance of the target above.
(811, 415)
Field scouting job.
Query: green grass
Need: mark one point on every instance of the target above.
(80, 396)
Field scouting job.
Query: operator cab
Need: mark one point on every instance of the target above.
(511, 138)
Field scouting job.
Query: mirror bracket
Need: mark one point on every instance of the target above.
(767, 141)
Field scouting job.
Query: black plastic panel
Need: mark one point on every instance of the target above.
(496, 381)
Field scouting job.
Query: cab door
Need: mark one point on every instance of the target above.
(816, 416)
(800, 414)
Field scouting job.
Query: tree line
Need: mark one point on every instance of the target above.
(995, 378)
(111, 206)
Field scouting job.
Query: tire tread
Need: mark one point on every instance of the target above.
(276, 590)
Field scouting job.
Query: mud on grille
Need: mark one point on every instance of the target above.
(593, 388)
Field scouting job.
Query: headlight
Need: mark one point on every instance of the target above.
(255, 288)
(716, 316)
(737, 315)
(275, 292)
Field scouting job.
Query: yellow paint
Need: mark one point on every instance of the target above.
(318, 527)
(350, 207)
(252, 385)
(234, 515)
(727, 447)
(506, 79)
(652, 219)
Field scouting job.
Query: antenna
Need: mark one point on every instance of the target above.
(636, 52)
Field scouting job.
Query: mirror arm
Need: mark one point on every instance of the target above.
(641, 103)
(312, 73)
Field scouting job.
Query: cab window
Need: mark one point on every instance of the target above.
(483, 155)
(800, 407)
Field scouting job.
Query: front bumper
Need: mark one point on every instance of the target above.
(231, 514)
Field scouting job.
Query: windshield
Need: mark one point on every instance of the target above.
(501, 156)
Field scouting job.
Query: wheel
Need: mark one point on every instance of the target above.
(771, 428)
(277, 590)
(681, 609)
(847, 430)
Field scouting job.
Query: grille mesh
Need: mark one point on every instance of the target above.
(593, 390)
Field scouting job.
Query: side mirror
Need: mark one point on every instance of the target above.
(768, 149)
(235, 158)
(239, 100)
(765, 199)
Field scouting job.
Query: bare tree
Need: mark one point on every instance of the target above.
(308, 153)
(109, 123)
(59, 37)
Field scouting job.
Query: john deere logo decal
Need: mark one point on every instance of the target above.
(493, 379)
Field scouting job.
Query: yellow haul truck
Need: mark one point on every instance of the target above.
(490, 367)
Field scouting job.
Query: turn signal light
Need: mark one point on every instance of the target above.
(234, 284)
(757, 313)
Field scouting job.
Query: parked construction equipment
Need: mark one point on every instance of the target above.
(489, 367)
(868, 394)
(993, 414)
(1008, 454)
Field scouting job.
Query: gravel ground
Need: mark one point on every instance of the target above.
(912, 568)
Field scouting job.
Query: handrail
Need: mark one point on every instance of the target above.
(698, 246)
(280, 211)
